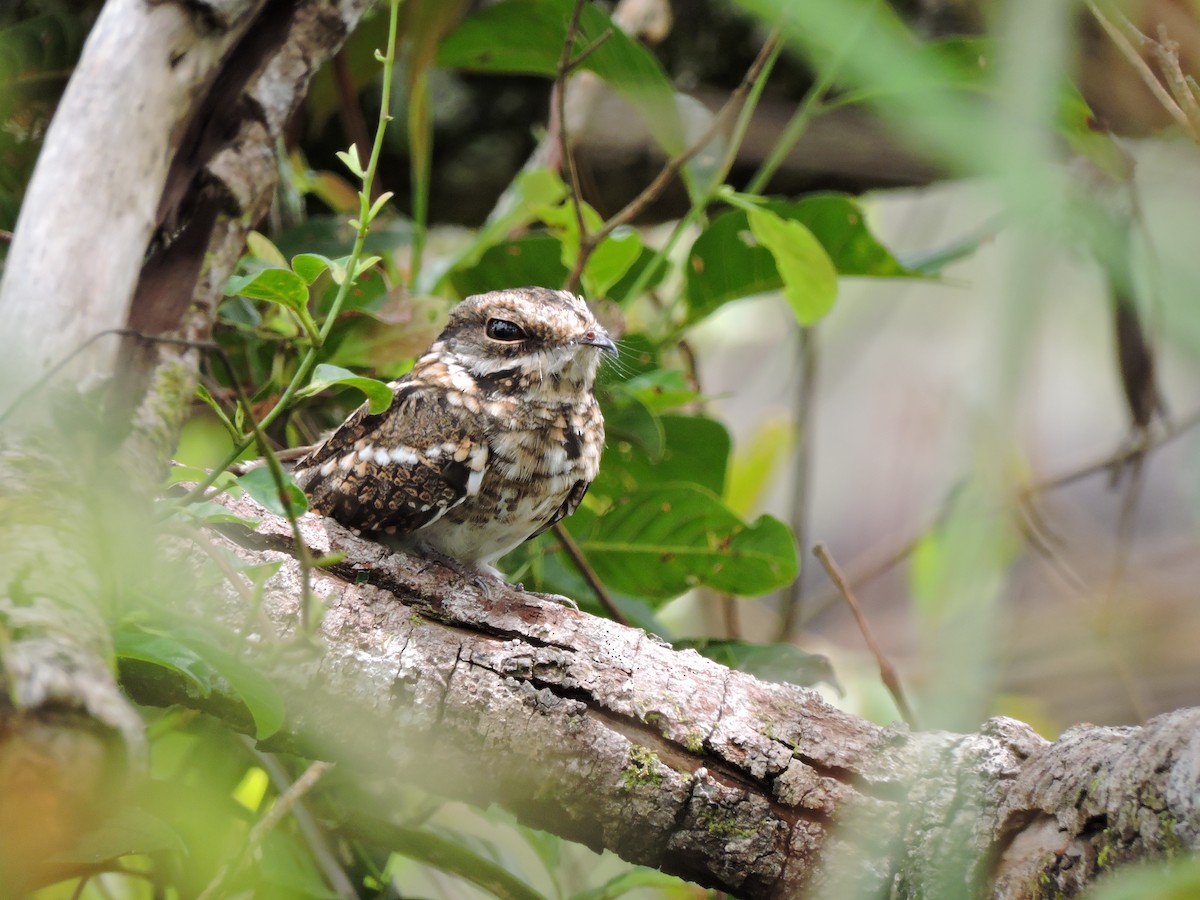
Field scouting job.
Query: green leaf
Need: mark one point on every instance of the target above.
(526, 36)
(260, 484)
(136, 643)
(350, 160)
(129, 829)
(610, 261)
(809, 277)
(378, 394)
(691, 448)
(769, 662)
(666, 887)
(727, 261)
(451, 856)
(310, 266)
(664, 540)
(531, 259)
(259, 695)
(261, 247)
(282, 286)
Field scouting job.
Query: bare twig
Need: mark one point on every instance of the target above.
(276, 814)
(313, 834)
(1121, 37)
(564, 141)
(672, 167)
(886, 672)
(589, 574)
(802, 471)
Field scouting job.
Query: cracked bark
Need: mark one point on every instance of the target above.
(605, 735)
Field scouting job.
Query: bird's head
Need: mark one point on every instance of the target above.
(528, 335)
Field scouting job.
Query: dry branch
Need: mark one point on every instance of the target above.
(605, 735)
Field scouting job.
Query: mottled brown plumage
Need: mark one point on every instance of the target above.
(492, 437)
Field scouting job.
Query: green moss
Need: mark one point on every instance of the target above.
(722, 826)
(644, 768)
(694, 741)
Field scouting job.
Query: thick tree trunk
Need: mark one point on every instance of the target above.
(605, 735)
(159, 160)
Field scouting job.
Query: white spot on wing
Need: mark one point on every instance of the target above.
(405, 456)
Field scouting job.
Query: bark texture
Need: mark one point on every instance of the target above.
(605, 735)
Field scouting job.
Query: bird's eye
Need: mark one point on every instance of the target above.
(504, 330)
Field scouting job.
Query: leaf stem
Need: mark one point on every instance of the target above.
(304, 369)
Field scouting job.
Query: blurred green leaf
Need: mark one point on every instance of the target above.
(133, 642)
(693, 449)
(665, 887)
(378, 394)
(610, 261)
(310, 266)
(260, 484)
(451, 856)
(809, 278)
(526, 36)
(129, 829)
(663, 540)
(770, 662)
(727, 261)
(1172, 879)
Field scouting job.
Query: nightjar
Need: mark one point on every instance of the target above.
(492, 437)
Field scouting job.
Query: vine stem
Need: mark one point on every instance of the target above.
(308, 361)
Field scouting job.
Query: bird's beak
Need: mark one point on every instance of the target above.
(598, 337)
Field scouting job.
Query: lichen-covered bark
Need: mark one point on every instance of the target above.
(605, 735)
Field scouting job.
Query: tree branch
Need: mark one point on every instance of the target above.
(602, 734)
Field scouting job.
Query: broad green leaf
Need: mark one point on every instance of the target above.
(662, 389)
(526, 36)
(770, 662)
(260, 484)
(451, 856)
(693, 449)
(379, 395)
(663, 540)
(531, 259)
(1170, 879)
(630, 420)
(282, 286)
(287, 865)
(523, 202)
(610, 261)
(727, 262)
(808, 275)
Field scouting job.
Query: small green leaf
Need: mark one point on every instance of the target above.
(260, 484)
(310, 266)
(378, 394)
(260, 696)
(610, 261)
(349, 159)
(379, 203)
(261, 247)
(127, 830)
(808, 274)
(282, 286)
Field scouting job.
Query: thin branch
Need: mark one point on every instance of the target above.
(638, 204)
(1166, 51)
(886, 672)
(1151, 80)
(802, 472)
(587, 51)
(264, 826)
(564, 141)
(589, 574)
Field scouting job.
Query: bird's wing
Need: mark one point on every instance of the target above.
(566, 508)
(398, 470)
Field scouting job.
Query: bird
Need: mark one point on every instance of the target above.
(492, 437)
